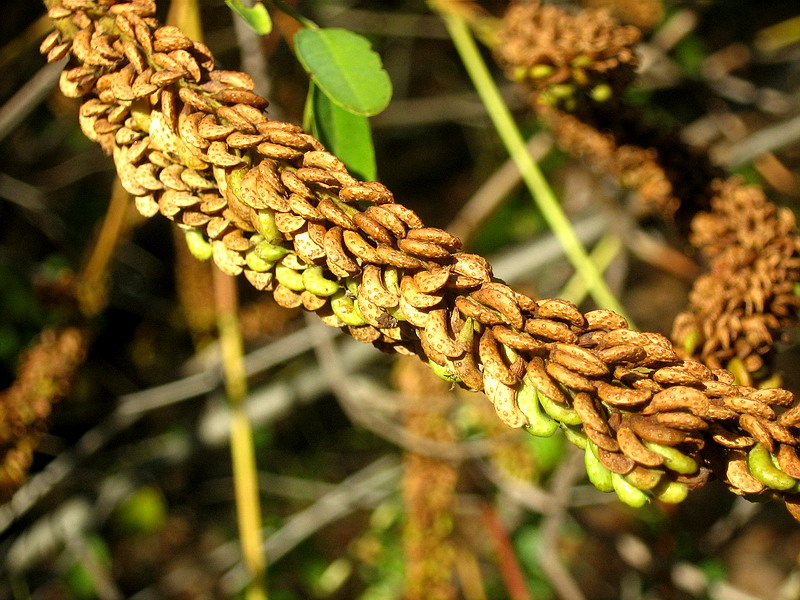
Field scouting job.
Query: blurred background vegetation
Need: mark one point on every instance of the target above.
(376, 483)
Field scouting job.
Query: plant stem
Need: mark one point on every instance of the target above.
(245, 475)
(531, 174)
(602, 254)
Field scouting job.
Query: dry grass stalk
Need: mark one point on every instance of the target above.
(265, 199)
(429, 486)
(44, 376)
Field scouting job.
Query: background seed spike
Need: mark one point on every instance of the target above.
(329, 196)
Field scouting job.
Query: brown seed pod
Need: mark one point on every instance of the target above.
(500, 297)
(678, 398)
(432, 281)
(755, 427)
(493, 362)
(561, 310)
(615, 461)
(749, 406)
(319, 177)
(739, 475)
(372, 228)
(422, 249)
(676, 376)
(438, 336)
(622, 354)
(240, 140)
(146, 205)
(471, 309)
(388, 220)
(361, 248)
(302, 207)
(370, 191)
(775, 397)
(578, 359)
(729, 439)
(374, 314)
(621, 396)
(647, 428)
(632, 447)
(334, 213)
(278, 152)
(788, 460)
(408, 216)
(373, 288)
(413, 315)
(467, 370)
(339, 262)
(364, 333)
(601, 439)
(306, 248)
(211, 129)
(435, 236)
(396, 258)
(569, 378)
(537, 375)
(589, 412)
(779, 433)
(521, 342)
(503, 397)
(472, 266)
(550, 330)
(288, 222)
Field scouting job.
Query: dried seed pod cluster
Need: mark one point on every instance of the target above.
(748, 294)
(44, 376)
(566, 57)
(264, 199)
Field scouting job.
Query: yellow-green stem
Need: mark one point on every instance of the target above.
(531, 174)
(245, 474)
(602, 255)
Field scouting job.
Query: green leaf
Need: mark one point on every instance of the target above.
(344, 65)
(256, 16)
(346, 135)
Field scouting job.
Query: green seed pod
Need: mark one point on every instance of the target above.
(443, 372)
(344, 308)
(397, 313)
(519, 73)
(289, 278)
(539, 424)
(270, 252)
(629, 494)
(256, 263)
(540, 71)
(391, 278)
(575, 436)
(759, 462)
(315, 282)
(562, 90)
(670, 492)
(266, 226)
(602, 92)
(691, 341)
(644, 479)
(140, 113)
(599, 476)
(234, 181)
(674, 459)
(198, 245)
(559, 412)
(467, 332)
(582, 60)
